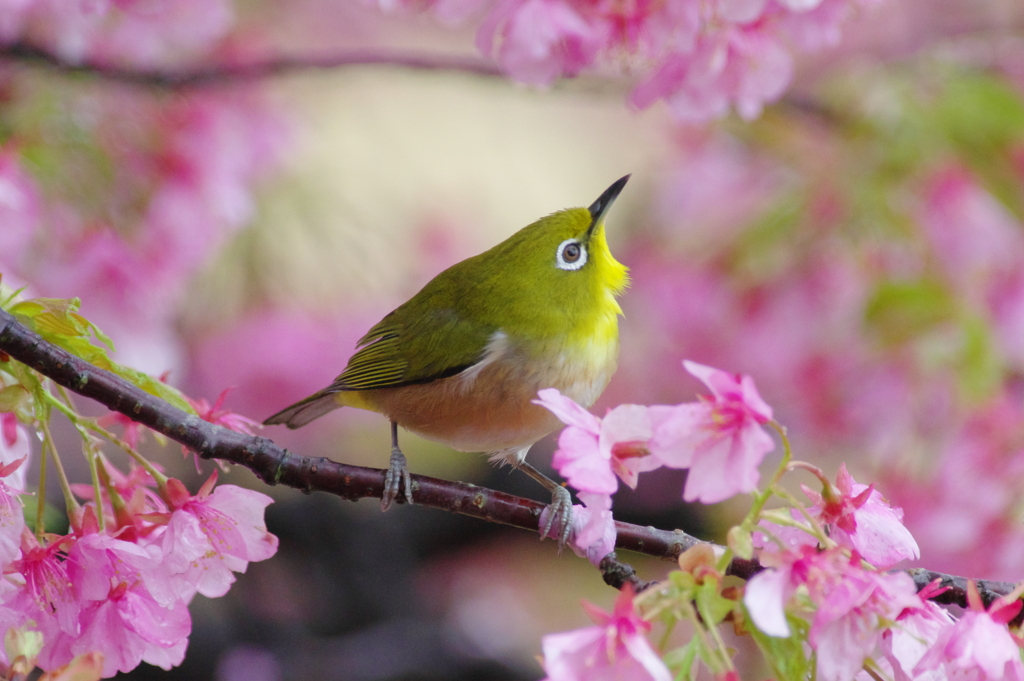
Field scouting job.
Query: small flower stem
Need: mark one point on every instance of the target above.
(75, 418)
(700, 628)
(817, 530)
(41, 496)
(97, 494)
(69, 498)
(761, 498)
(669, 628)
(810, 468)
(787, 451)
(717, 636)
(88, 447)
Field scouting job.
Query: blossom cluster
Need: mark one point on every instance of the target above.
(143, 33)
(119, 583)
(701, 57)
(859, 612)
(827, 578)
(720, 439)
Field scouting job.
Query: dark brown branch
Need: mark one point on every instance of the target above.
(275, 465)
(220, 74)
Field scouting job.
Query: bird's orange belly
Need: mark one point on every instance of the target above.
(487, 410)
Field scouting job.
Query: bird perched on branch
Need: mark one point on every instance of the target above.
(461, 361)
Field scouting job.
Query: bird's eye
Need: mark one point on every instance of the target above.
(571, 255)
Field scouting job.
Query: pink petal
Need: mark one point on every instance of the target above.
(246, 507)
(640, 650)
(567, 411)
(578, 459)
(625, 423)
(765, 597)
(566, 654)
(667, 80)
(727, 465)
(752, 398)
(595, 536)
(677, 431)
(722, 383)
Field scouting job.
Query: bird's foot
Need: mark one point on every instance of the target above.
(397, 475)
(557, 517)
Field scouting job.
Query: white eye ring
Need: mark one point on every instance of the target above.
(570, 264)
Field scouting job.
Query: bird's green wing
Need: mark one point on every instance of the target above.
(406, 348)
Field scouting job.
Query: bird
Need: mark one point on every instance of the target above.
(461, 361)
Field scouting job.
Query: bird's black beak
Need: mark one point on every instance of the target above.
(603, 203)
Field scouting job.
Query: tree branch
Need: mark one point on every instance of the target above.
(219, 74)
(275, 465)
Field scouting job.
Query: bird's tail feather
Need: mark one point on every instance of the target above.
(304, 411)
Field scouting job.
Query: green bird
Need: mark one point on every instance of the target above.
(462, 360)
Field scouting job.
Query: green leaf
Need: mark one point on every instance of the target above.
(57, 320)
(711, 604)
(153, 386)
(682, 659)
(787, 656)
(741, 542)
(57, 317)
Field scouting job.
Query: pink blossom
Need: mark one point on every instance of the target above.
(915, 631)
(137, 500)
(222, 417)
(741, 66)
(98, 563)
(12, 518)
(861, 519)
(853, 611)
(209, 536)
(143, 33)
(14, 446)
(978, 646)
(720, 439)
(818, 27)
(127, 627)
(592, 451)
(45, 593)
(853, 605)
(540, 39)
(615, 648)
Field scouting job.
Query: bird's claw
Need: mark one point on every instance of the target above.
(559, 517)
(397, 475)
